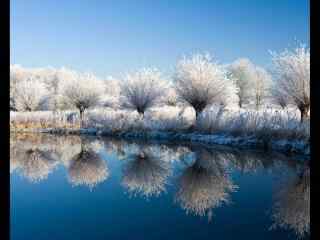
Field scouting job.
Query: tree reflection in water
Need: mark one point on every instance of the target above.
(291, 209)
(205, 184)
(34, 156)
(145, 174)
(36, 164)
(33, 161)
(87, 167)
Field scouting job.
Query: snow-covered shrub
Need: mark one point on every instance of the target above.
(213, 119)
(269, 124)
(292, 77)
(143, 89)
(111, 120)
(199, 81)
(169, 118)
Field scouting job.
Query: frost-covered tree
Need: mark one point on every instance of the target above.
(143, 89)
(23, 86)
(260, 85)
(292, 77)
(278, 97)
(199, 81)
(242, 72)
(56, 83)
(83, 92)
(29, 94)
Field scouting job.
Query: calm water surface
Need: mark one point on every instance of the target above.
(71, 187)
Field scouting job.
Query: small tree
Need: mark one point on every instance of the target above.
(292, 77)
(29, 94)
(201, 82)
(242, 72)
(83, 92)
(260, 85)
(142, 89)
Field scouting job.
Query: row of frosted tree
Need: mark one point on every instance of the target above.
(199, 81)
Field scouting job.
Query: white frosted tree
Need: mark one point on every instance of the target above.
(200, 82)
(143, 89)
(292, 77)
(279, 97)
(260, 84)
(83, 92)
(56, 84)
(242, 73)
(30, 94)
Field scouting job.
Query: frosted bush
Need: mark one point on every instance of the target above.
(169, 118)
(110, 120)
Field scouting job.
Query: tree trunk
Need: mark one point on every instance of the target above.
(240, 104)
(197, 115)
(81, 117)
(303, 113)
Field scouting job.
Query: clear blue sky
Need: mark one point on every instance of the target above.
(112, 37)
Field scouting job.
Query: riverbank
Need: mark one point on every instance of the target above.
(280, 145)
(267, 129)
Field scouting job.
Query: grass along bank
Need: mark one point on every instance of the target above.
(279, 130)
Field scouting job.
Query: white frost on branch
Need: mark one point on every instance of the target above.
(200, 82)
(292, 77)
(143, 89)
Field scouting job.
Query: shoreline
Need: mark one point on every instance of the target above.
(242, 142)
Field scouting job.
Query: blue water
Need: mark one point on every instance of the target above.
(101, 188)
